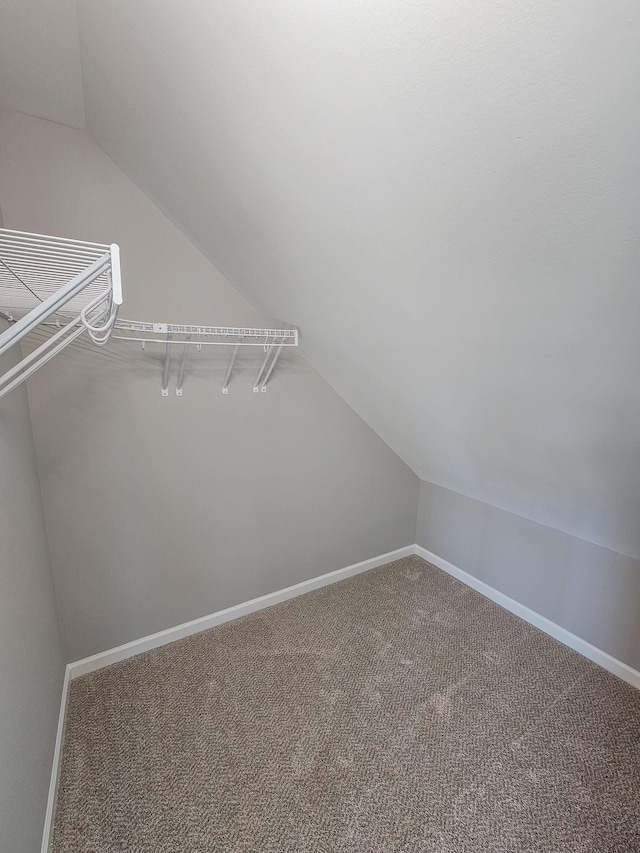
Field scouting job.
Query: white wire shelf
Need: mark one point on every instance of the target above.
(272, 341)
(75, 287)
(137, 330)
(46, 279)
(33, 267)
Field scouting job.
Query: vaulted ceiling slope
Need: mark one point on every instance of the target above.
(442, 195)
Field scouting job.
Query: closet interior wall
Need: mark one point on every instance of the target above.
(31, 654)
(163, 509)
(591, 591)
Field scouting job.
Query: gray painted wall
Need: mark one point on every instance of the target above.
(589, 590)
(160, 510)
(31, 660)
(444, 193)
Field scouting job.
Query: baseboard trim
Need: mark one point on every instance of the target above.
(161, 638)
(55, 768)
(603, 659)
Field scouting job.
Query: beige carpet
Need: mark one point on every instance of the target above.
(395, 711)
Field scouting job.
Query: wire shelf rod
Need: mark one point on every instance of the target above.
(26, 373)
(45, 352)
(21, 327)
(177, 342)
(53, 252)
(29, 237)
(157, 331)
(46, 280)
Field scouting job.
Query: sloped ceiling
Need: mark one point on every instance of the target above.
(442, 195)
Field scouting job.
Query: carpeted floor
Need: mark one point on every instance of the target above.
(395, 711)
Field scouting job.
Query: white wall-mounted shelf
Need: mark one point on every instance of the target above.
(272, 341)
(75, 287)
(74, 284)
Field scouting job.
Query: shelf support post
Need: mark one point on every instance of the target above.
(165, 371)
(263, 387)
(182, 366)
(256, 385)
(225, 384)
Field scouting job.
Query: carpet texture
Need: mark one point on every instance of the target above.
(398, 710)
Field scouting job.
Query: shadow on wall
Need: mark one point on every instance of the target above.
(591, 591)
(164, 509)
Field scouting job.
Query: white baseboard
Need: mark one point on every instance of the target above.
(161, 638)
(136, 647)
(55, 769)
(606, 661)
